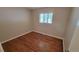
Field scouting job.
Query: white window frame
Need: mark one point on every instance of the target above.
(45, 19)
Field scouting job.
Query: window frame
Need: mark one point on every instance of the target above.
(43, 14)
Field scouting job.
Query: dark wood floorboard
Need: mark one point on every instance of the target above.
(34, 42)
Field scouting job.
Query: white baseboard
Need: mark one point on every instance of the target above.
(53, 36)
(37, 32)
(50, 35)
(15, 37)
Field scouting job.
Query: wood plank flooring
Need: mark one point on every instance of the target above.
(34, 42)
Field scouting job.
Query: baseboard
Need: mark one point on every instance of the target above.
(50, 35)
(15, 37)
(37, 32)
(53, 36)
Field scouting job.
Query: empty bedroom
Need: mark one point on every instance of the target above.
(37, 29)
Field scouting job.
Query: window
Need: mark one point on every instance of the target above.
(46, 18)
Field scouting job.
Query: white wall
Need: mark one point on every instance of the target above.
(71, 27)
(57, 28)
(13, 22)
(74, 46)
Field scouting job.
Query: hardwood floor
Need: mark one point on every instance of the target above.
(34, 42)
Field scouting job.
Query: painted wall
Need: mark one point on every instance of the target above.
(57, 28)
(13, 22)
(74, 46)
(71, 27)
